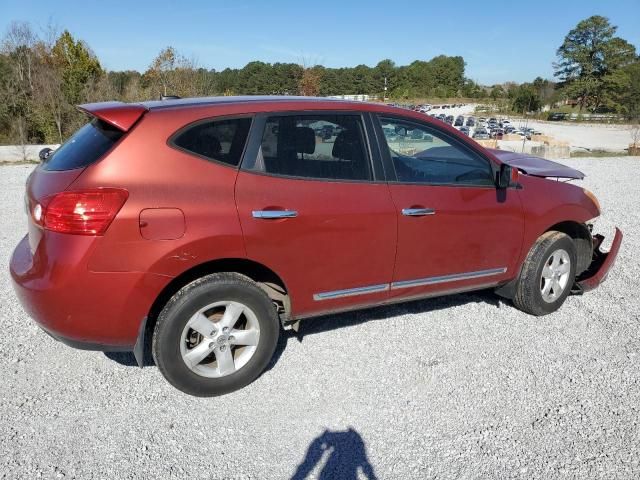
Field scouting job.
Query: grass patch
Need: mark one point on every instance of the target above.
(19, 162)
(599, 154)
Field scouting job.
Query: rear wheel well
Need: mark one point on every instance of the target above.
(266, 279)
(582, 238)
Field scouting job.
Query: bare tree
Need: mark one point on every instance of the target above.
(50, 97)
(173, 74)
(19, 42)
(309, 84)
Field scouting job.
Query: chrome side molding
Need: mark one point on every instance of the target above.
(351, 291)
(447, 278)
(408, 284)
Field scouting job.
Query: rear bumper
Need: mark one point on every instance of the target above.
(83, 309)
(601, 263)
(84, 345)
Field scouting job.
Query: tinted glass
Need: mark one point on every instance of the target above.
(315, 146)
(86, 146)
(219, 140)
(423, 155)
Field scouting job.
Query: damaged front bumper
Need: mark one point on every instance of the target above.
(601, 263)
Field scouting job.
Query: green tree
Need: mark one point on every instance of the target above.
(385, 69)
(627, 94)
(497, 92)
(525, 98)
(588, 59)
(78, 65)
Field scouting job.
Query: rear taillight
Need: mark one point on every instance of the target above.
(80, 212)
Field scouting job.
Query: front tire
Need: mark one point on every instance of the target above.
(216, 335)
(547, 275)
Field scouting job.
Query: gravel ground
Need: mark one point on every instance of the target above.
(581, 136)
(458, 387)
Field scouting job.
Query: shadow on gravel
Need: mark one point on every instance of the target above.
(340, 320)
(128, 360)
(342, 455)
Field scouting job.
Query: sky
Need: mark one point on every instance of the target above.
(500, 41)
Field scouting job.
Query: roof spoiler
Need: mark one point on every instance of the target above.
(119, 114)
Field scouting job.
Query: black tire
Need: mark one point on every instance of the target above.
(184, 304)
(528, 296)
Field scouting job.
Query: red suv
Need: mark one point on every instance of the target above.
(204, 226)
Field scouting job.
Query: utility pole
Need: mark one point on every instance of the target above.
(384, 97)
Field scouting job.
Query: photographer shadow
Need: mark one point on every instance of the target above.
(342, 454)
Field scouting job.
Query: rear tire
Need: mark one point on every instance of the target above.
(216, 335)
(547, 275)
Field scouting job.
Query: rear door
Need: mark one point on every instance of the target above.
(314, 208)
(455, 229)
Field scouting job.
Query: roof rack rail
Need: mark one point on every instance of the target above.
(169, 97)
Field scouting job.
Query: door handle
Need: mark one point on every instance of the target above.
(418, 212)
(273, 214)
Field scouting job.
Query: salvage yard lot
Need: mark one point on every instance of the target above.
(457, 387)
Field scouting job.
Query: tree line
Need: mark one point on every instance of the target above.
(43, 76)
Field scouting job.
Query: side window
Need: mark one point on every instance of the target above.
(423, 155)
(315, 146)
(219, 140)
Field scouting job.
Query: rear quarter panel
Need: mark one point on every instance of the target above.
(159, 176)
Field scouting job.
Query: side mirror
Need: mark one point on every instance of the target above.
(45, 153)
(506, 176)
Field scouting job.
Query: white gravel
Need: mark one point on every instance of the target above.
(584, 136)
(458, 387)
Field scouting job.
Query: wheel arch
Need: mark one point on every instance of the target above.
(582, 239)
(264, 276)
(579, 233)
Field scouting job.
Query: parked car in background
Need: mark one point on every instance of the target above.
(498, 133)
(470, 122)
(203, 227)
(464, 130)
(459, 121)
(481, 134)
(449, 119)
(416, 134)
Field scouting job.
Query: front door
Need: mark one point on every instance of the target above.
(456, 231)
(311, 209)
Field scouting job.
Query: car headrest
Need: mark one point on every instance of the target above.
(347, 146)
(305, 139)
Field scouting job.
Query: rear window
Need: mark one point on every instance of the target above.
(218, 140)
(86, 146)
